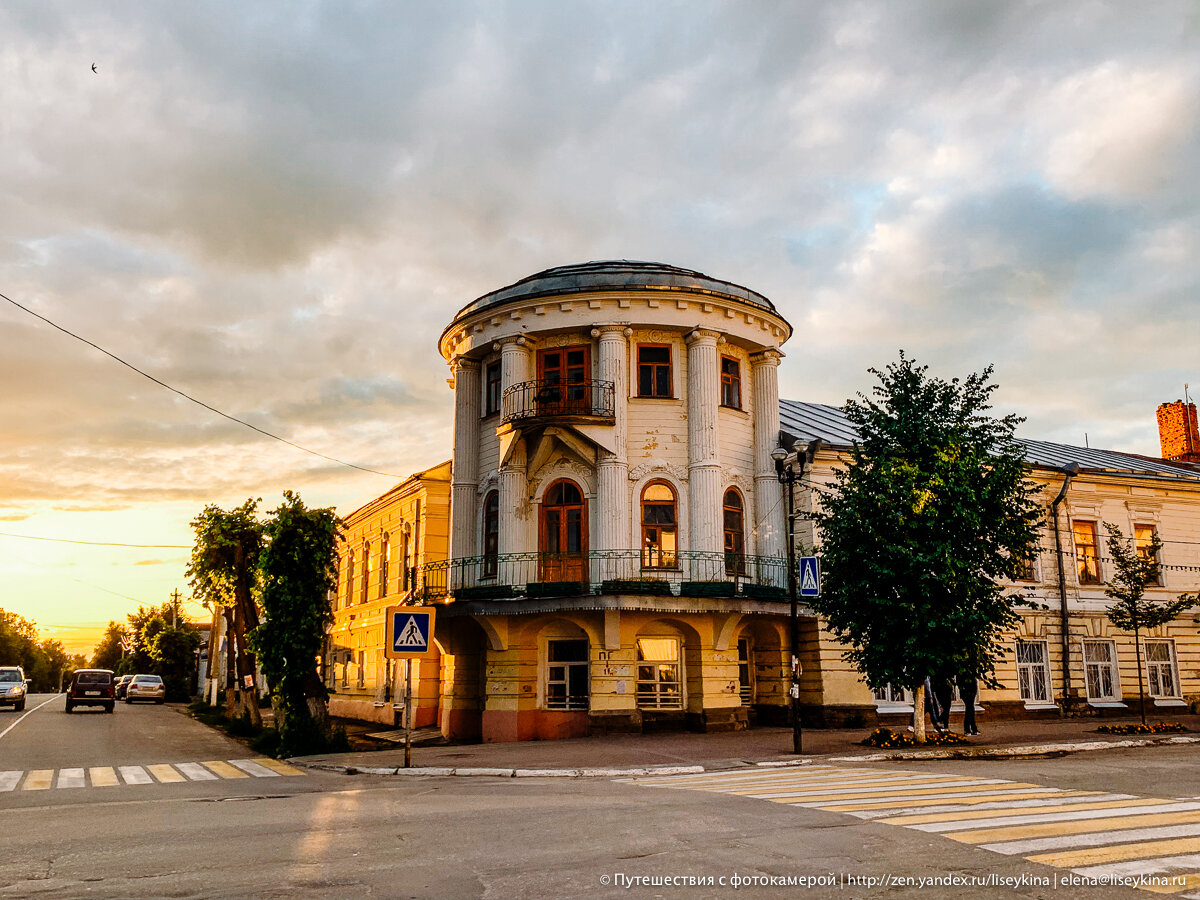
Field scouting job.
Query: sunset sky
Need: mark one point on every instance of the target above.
(276, 207)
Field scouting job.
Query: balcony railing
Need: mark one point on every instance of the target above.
(531, 400)
(542, 575)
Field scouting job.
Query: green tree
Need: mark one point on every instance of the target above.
(108, 652)
(1135, 569)
(298, 569)
(173, 651)
(223, 571)
(932, 511)
(56, 660)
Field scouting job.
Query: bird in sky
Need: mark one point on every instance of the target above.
(94, 68)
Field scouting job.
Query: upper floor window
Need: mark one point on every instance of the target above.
(366, 572)
(349, 579)
(654, 370)
(731, 382)
(1026, 570)
(385, 550)
(491, 389)
(405, 571)
(1143, 540)
(735, 533)
(658, 526)
(1087, 558)
(491, 534)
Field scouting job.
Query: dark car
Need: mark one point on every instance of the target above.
(92, 687)
(122, 685)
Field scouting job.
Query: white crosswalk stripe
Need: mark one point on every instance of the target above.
(151, 773)
(1092, 833)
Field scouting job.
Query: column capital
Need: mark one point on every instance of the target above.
(702, 336)
(463, 363)
(766, 358)
(513, 340)
(612, 332)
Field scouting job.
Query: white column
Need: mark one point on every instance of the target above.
(612, 469)
(465, 472)
(514, 369)
(768, 492)
(704, 461)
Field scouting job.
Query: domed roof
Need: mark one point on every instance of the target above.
(616, 274)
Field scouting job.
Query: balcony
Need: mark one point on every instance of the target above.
(531, 401)
(513, 576)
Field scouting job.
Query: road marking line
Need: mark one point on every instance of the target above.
(1118, 853)
(992, 800)
(27, 715)
(251, 767)
(135, 775)
(926, 790)
(1096, 839)
(103, 776)
(281, 767)
(941, 827)
(709, 776)
(882, 784)
(195, 772)
(70, 778)
(1058, 829)
(776, 777)
(1102, 801)
(38, 780)
(9, 780)
(224, 769)
(165, 774)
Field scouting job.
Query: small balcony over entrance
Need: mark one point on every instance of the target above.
(550, 399)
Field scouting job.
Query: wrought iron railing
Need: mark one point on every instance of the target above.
(546, 399)
(538, 575)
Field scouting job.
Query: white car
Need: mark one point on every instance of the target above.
(146, 687)
(12, 687)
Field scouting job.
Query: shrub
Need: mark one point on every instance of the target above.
(1138, 728)
(888, 739)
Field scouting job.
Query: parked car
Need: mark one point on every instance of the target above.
(92, 687)
(146, 687)
(121, 685)
(13, 686)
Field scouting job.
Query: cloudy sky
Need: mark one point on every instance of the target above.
(276, 208)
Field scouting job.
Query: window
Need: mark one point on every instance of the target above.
(1033, 672)
(1026, 570)
(385, 549)
(563, 541)
(491, 389)
(1087, 560)
(405, 571)
(1100, 668)
(745, 671)
(654, 370)
(350, 578)
(658, 526)
(893, 696)
(567, 675)
(362, 668)
(366, 572)
(731, 382)
(491, 535)
(565, 388)
(658, 674)
(1161, 671)
(1143, 540)
(735, 534)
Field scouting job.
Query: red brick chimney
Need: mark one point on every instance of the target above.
(1177, 431)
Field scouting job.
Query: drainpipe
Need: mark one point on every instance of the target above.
(1070, 470)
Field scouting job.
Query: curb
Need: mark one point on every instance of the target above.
(1029, 750)
(483, 772)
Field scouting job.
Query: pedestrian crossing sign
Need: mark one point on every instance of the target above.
(810, 576)
(410, 631)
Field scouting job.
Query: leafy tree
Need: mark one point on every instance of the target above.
(298, 568)
(223, 571)
(173, 651)
(1133, 571)
(108, 652)
(932, 511)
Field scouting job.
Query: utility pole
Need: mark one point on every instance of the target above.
(175, 609)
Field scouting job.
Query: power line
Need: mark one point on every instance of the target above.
(185, 396)
(30, 537)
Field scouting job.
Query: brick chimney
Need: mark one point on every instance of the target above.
(1177, 431)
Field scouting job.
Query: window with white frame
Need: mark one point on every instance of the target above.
(1100, 669)
(567, 675)
(659, 673)
(892, 695)
(1033, 671)
(1162, 674)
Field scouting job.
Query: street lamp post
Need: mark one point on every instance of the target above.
(789, 466)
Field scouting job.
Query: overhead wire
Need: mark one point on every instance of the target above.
(30, 537)
(186, 396)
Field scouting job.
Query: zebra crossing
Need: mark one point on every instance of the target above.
(1095, 834)
(156, 773)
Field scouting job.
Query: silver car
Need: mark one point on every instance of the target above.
(146, 687)
(13, 687)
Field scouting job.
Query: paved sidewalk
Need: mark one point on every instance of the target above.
(758, 745)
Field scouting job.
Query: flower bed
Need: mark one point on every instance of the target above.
(1139, 728)
(888, 739)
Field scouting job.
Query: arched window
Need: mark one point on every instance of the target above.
(349, 579)
(385, 550)
(405, 571)
(366, 571)
(491, 535)
(659, 543)
(735, 534)
(563, 541)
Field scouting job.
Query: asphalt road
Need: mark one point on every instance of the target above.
(332, 836)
